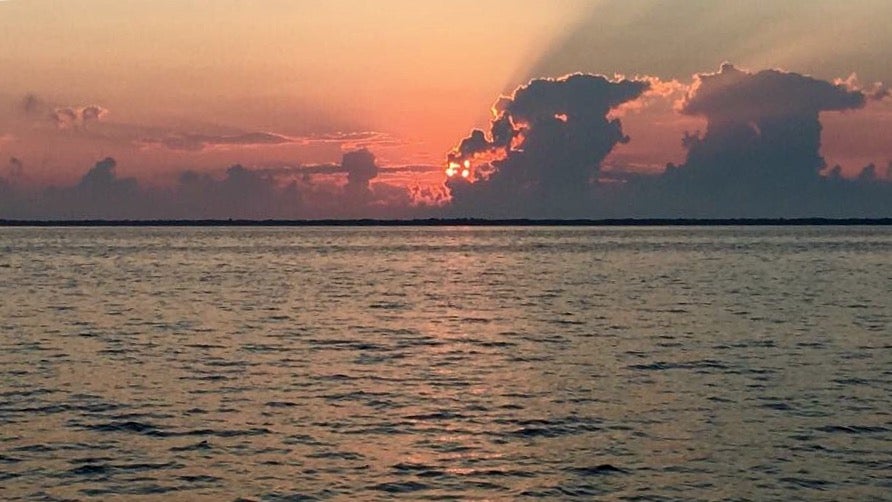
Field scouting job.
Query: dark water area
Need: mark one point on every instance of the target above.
(267, 364)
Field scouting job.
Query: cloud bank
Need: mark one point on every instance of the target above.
(546, 154)
(345, 190)
(760, 155)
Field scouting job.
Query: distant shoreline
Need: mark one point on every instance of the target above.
(472, 222)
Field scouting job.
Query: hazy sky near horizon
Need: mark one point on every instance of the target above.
(165, 86)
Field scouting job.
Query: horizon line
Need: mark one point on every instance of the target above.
(445, 222)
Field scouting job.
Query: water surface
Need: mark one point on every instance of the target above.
(439, 363)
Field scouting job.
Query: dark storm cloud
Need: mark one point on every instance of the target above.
(241, 193)
(103, 194)
(548, 140)
(99, 191)
(346, 190)
(101, 188)
(360, 167)
(761, 126)
(760, 155)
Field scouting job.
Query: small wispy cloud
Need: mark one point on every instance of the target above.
(198, 142)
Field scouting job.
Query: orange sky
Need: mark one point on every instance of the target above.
(415, 75)
(417, 72)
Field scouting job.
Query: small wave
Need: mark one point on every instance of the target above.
(28, 393)
(280, 404)
(852, 381)
(200, 478)
(204, 346)
(103, 469)
(43, 448)
(439, 415)
(598, 470)
(5, 476)
(852, 429)
(406, 487)
(341, 455)
(282, 497)
(815, 484)
(149, 429)
(264, 348)
(706, 364)
(128, 489)
(90, 470)
(345, 344)
(553, 428)
(388, 305)
(131, 426)
(563, 492)
(221, 433)
(207, 378)
(778, 406)
(51, 409)
(199, 446)
(496, 344)
(414, 468)
(6, 459)
(302, 439)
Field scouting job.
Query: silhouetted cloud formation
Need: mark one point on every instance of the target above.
(544, 148)
(759, 157)
(760, 154)
(542, 157)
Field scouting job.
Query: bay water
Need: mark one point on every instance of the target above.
(498, 363)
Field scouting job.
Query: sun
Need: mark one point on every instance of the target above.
(456, 168)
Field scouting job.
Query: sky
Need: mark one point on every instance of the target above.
(345, 109)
